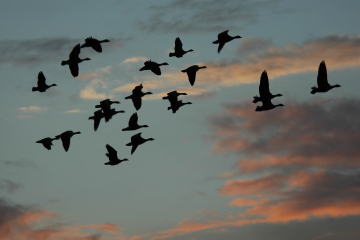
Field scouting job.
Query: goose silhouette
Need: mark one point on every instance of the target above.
(153, 66)
(264, 89)
(112, 155)
(98, 115)
(267, 105)
(179, 52)
(108, 114)
(41, 84)
(74, 61)
(133, 123)
(224, 38)
(322, 80)
(47, 142)
(105, 104)
(137, 140)
(94, 43)
(136, 96)
(191, 72)
(65, 138)
(173, 96)
(175, 105)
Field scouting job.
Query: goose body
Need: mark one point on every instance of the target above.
(224, 38)
(47, 142)
(65, 138)
(112, 155)
(173, 96)
(74, 61)
(137, 140)
(322, 80)
(94, 43)
(179, 51)
(153, 66)
(264, 89)
(106, 104)
(108, 114)
(41, 84)
(98, 115)
(136, 96)
(175, 105)
(133, 123)
(191, 72)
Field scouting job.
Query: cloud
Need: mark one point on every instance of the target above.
(75, 111)
(94, 74)
(190, 16)
(90, 90)
(134, 59)
(33, 109)
(9, 185)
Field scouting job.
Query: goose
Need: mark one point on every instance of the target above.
(108, 114)
(137, 140)
(224, 38)
(133, 123)
(175, 105)
(47, 142)
(106, 103)
(153, 66)
(264, 89)
(74, 61)
(322, 80)
(267, 105)
(98, 115)
(179, 52)
(112, 155)
(172, 96)
(136, 96)
(94, 43)
(191, 72)
(65, 138)
(42, 86)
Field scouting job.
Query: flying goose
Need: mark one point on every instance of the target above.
(74, 61)
(264, 89)
(112, 155)
(191, 72)
(94, 43)
(153, 66)
(108, 114)
(136, 96)
(133, 123)
(98, 115)
(47, 142)
(175, 105)
(137, 140)
(106, 104)
(322, 80)
(65, 138)
(42, 86)
(179, 52)
(172, 96)
(224, 38)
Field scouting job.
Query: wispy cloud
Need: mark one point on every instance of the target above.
(134, 59)
(9, 185)
(75, 111)
(33, 109)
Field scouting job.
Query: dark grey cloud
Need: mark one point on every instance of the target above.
(9, 185)
(10, 211)
(189, 16)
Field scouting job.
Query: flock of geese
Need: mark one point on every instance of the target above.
(107, 112)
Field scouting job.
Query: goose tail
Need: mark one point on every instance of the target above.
(63, 63)
(171, 54)
(34, 89)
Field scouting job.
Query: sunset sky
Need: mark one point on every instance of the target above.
(217, 169)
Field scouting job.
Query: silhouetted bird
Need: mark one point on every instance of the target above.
(264, 89)
(112, 155)
(42, 86)
(47, 142)
(106, 104)
(179, 52)
(65, 138)
(322, 80)
(110, 113)
(98, 115)
(137, 140)
(94, 43)
(224, 38)
(74, 60)
(153, 66)
(191, 72)
(136, 96)
(175, 105)
(133, 123)
(267, 105)
(172, 96)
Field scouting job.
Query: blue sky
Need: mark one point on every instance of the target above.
(217, 169)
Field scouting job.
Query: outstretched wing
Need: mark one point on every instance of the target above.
(66, 142)
(322, 79)
(156, 69)
(223, 34)
(264, 85)
(192, 76)
(96, 46)
(133, 119)
(221, 45)
(74, 69)
(75, 52)
(133, 148)
(41, 79)
(111, 150)
(178, 45)
(137, 102)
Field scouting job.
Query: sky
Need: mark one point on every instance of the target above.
(216, 169)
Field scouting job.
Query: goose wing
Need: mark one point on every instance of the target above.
(322, 79)
(133, 120)
(223, 35)
(192, 75)
(264, 85)
(111, 150)
(178, 45)
(96, 122)
(75, 52)
(66, 142)
(133, 148)
(221, 45)
(96, 46)
(156, 69)
(41, 79)
(135, 138)
(74, 69)
(137, 102)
